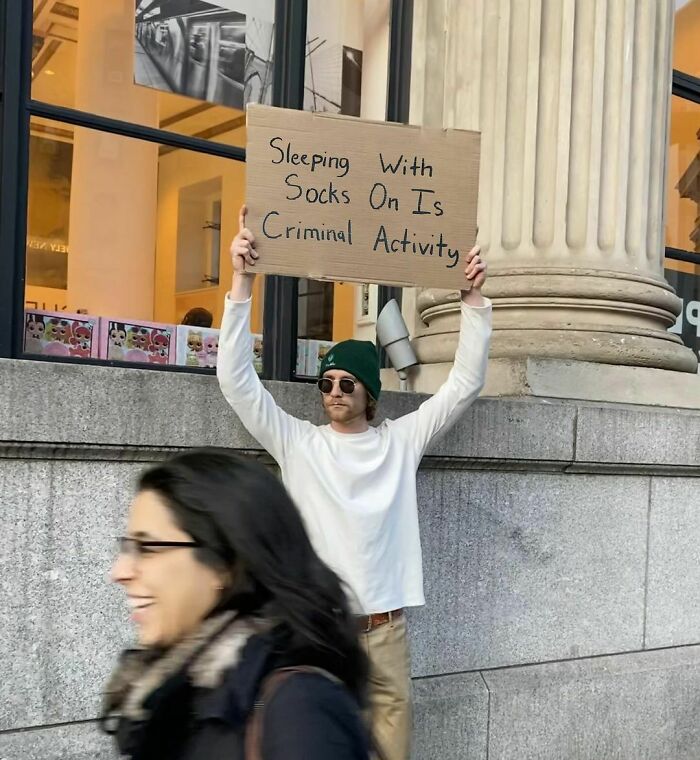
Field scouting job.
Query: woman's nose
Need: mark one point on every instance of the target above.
(122, 569)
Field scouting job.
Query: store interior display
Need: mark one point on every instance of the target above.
(58, 333)
(197, 346)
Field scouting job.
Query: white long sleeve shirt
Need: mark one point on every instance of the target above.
(356, 492)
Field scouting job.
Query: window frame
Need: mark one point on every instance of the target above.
(17, 107)
(280, 305)
(687, 87)
(14, 169)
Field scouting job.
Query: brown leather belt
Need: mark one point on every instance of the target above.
(367, 623)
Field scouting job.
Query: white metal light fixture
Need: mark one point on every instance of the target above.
(392, 334)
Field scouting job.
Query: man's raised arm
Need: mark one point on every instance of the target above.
(466, 378)
(239, 382)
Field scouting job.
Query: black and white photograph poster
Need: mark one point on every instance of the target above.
(219, 52)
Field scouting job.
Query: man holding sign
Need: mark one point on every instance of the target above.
(355, 484)
(340, 198)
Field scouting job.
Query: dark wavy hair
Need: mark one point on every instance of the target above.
(246, 524)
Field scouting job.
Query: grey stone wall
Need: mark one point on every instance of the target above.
(561, 556)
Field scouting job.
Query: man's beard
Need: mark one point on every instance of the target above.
(342, 413)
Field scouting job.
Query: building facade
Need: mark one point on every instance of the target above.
(559, 518)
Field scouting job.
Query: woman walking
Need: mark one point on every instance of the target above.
(247, 647)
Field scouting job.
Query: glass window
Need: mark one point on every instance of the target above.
(683, 215)
(127, 241)
(683, 188)
(187, 67)
(346, 70)
(686, 36)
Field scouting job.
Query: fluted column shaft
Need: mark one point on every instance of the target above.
(572, 100)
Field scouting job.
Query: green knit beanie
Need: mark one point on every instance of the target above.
(359, 358)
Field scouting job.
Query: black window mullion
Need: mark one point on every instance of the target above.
(399, 79)
(398, 101)
(677, 254)
(135, 131)
(290, 53)
(281, 293)
(686, 86)
(16, 30)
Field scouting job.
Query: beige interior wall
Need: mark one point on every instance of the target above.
(684, 148)
(684, 143)
(46, 299)
(686, 36)
(181, 169)
(114, 179)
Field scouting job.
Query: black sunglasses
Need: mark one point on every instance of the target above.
(135, 548)
(347, 385)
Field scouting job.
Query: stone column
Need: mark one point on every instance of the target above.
(572, 99)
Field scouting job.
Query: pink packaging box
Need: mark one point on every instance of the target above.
(59, 333)
(197, 346)
(316, 351)
(143, 342)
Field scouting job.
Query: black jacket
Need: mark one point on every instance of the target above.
(309, 717)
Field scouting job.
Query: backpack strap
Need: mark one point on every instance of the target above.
(269, 687)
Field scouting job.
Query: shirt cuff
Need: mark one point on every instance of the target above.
(229, 302)
(486, 307)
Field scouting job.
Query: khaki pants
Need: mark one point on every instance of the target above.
(389, 688)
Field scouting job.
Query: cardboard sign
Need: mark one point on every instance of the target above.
(338, 198)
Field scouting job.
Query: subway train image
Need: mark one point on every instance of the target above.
(203, 55)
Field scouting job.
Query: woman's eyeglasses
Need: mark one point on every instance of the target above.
(347, 385)
(136, 548)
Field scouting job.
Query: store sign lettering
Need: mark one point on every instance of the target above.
(690, 313)
(46, 245)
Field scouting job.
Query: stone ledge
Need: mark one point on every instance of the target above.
(136, 410)
(575, 380)
(618, 434)
(87, 452)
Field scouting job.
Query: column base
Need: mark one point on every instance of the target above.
(553, 378)
(583, 315)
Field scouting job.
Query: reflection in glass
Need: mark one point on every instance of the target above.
(683, 190)
(683, 216)
(686, 36)
(48, 213)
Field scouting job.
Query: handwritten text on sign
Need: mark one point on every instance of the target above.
(344, 199)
